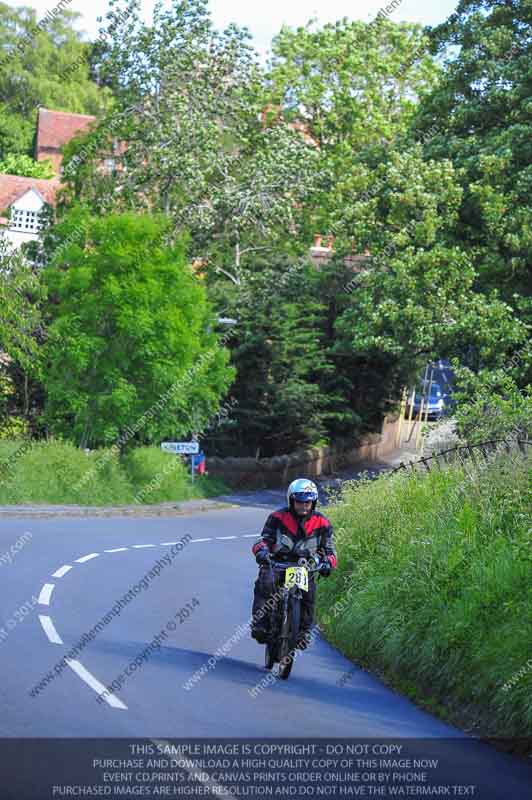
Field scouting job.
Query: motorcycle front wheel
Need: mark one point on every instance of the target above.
(269, 655)
(289, 637)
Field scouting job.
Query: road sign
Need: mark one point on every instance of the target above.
(181, 448)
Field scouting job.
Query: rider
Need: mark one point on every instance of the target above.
(294, 532)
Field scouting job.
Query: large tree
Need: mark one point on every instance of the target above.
(481, 110)
(417, 298)
(41, 65)
(353, 87)
(278, 351)
(190, 109)
(130, 334)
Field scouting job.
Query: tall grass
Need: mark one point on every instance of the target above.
(434, 585)
(59, 473)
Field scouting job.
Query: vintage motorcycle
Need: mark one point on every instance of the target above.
(289, 583)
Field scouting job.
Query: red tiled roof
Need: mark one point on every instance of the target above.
(14, 186)
(56, 128)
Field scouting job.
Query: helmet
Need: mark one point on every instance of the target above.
(302, 489)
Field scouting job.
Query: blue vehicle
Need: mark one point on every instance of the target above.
(435, 389)
(435, 402)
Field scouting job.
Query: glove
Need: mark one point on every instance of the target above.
(262, 556)
(325, 569)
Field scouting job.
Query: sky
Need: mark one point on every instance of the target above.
(264, 19)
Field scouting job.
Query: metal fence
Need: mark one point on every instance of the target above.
(473, 453)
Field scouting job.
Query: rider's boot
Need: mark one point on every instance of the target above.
(261, 634)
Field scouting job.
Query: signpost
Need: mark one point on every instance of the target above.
(182, 449)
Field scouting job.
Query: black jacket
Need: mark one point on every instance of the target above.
(288, 539)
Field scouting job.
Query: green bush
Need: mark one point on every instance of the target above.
(496, 416)
(49, 472)
(433, 585)
(157, 476)
(59, 473)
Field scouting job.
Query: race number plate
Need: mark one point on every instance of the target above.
(297, 576)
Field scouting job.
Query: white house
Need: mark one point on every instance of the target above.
(21, 201)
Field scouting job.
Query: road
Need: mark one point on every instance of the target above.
(70, 573)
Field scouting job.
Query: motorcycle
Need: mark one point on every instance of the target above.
(289, 583)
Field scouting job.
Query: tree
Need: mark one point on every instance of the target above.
(277, 349)
(190, 105)
(481, 109)
(129, 354)
(21, 331)
(353, 87)
(417, 299)
(24, 165)
(351, 83)
(41, 65)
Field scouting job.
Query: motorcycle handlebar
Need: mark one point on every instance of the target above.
(301, 563)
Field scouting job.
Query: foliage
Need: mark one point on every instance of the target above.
(280, 359)
(41, 66)
(57, 472)
(505, 414)
(433, 587)
(16, 164)
(416, 300)
(129, 329)
(218, 171)
(353, 87)
(20, 294)
(481, 108)
(351, 78)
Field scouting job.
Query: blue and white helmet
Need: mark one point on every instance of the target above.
(302, 489)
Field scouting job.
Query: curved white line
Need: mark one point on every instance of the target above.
(61, 571)
(46, 593)
(49, 630)
(95, 684)
(250, 536)
(53, 636)
(86, 558)
(223, 538)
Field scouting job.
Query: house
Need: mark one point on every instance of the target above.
(22, 199)
(54, 130)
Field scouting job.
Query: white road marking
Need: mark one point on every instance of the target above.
(49, 630)
(86, 558)
(95, 684)
(250, 536)
(62, 571)
(46, 593)
(53, 636)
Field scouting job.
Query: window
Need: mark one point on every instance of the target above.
(22, 220)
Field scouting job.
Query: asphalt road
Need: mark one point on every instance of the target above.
(175, 691)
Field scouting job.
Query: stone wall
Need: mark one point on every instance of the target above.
(251, 473)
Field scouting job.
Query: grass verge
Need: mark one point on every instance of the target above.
(433, 592)
(56, 472)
